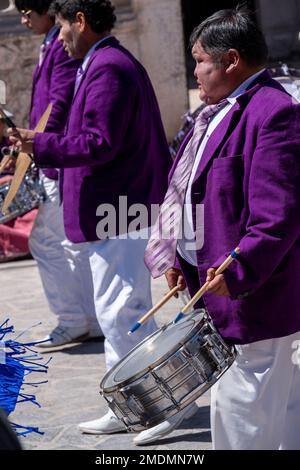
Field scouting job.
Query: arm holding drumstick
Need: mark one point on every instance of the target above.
(218, 289)
(221, 290)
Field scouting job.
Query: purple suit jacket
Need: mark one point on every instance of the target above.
(53, 82)
(249, 182)
(114, 143)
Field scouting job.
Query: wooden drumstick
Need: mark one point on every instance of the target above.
(153, 310)
(23, 163)
(233, 255)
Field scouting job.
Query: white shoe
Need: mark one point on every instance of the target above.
(63, 335)
(164, 428)
(108, 424)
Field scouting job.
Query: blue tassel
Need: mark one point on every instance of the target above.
(24, 430)
(17, 361)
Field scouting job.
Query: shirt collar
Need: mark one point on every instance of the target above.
(90, 52)
(243, 87)
(50, 35)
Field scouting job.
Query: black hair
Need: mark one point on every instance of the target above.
(232, 29)
(99, 14)
(39, 6)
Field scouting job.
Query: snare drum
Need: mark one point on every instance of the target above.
(29, 196)
(167, 371)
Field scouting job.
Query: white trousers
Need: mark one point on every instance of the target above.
(256, 403)
(63, 269)
(122, 293)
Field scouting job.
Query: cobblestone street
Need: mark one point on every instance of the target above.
(72, 392)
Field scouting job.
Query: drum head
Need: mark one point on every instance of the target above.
(152, 351)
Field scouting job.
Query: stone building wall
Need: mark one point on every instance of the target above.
(18, 56)
(161, 50)
(150, 29)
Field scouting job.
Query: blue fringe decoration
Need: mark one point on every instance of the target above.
(24, 430)
(17, 361)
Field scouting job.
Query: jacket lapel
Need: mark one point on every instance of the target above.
(218, 136)
(47, 51)
(84, 74)
(111, 41)
(35, 74)
(39, 68)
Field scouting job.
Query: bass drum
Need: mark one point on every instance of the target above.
(288, 77)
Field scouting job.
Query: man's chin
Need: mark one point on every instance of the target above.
(70, 54)
(203, 97)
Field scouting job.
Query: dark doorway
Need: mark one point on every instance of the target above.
(195, 11)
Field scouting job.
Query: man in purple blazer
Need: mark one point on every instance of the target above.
(63, 272)
(114, 159)
(243, 172)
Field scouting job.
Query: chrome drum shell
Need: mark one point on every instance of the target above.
(167, 371)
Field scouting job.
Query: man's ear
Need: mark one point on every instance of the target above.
(232, 60)
(81, 21)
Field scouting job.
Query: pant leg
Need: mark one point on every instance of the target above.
(58, 273)
(249, 402)
(122, 293)
(291, 431)
(78, 258)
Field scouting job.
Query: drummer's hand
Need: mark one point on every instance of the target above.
(217, 284)
(22, 139)
(175, 278)
(8, 164)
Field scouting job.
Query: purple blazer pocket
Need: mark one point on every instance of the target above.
(236, 160)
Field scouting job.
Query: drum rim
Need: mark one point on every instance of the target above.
(140, 374)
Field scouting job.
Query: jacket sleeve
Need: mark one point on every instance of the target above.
(106, 114)
(273, 199)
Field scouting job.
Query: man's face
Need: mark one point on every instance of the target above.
(211, 77)
(70, 36)
(38, 24)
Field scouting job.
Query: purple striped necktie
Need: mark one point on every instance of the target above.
(160, 253)
(79, 74)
